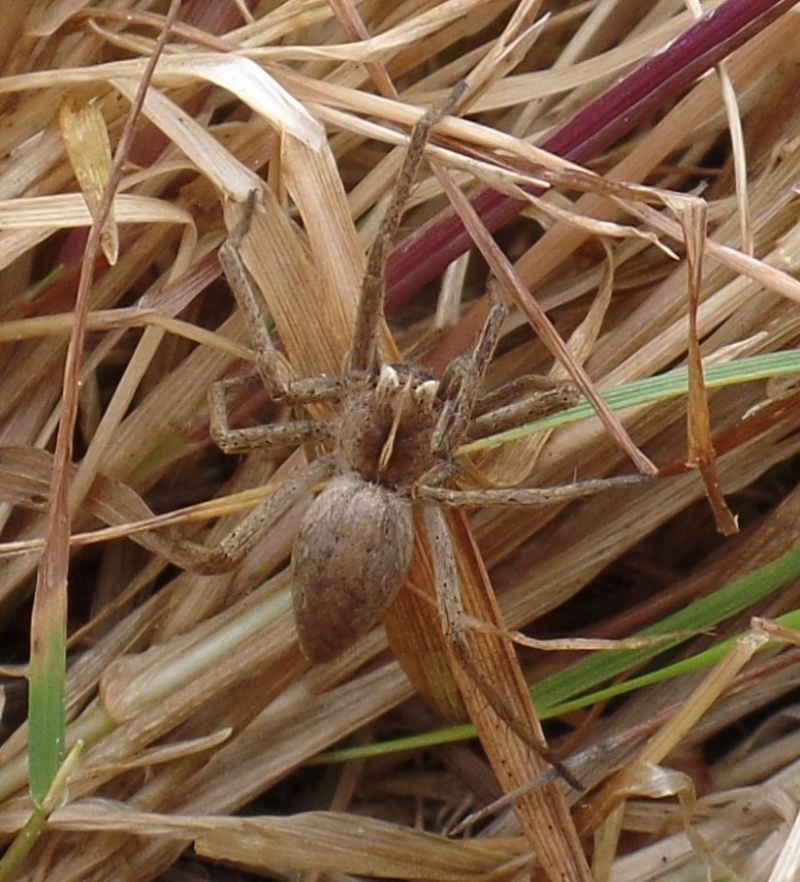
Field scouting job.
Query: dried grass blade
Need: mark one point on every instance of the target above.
(713, 685)
(45, 20)
(313, 181)
(48, 622)
(321, 841)
(229, 176)
(329, 842)
(350, 19)
(89, 150)
(506, 468)
(29, 220)
(509, 49)
(595, 127)
(692, 214)
(253, 85)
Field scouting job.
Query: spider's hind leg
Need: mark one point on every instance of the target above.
(455, 626)
(235, 546)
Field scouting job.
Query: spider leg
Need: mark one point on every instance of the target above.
(363, 350)
(293, 392)
(250, 303)
(240, 540)
(462, 380)
(454, 625)
(516, 412)
(276, 435)
(512, 496)
(523, 387)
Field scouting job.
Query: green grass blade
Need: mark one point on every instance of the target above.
(47, 708)
(661, 388)
(703, 615)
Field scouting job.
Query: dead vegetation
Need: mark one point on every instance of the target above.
(189, 692)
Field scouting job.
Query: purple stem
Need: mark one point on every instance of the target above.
(653, 84)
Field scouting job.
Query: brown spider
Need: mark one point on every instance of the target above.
(392, 445)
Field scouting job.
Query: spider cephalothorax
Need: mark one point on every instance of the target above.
(386, 431)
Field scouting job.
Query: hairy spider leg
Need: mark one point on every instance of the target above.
(249, 302)
(237, 544)
(455, 626)
(291, 433)
(363, 356)
(462, 380)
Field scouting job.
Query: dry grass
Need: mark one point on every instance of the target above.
(189, 692)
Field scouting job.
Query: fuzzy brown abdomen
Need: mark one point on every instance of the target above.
(350, 558)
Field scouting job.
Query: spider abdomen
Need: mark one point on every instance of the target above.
(350, 558)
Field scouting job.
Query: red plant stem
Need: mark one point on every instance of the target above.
(653, 84)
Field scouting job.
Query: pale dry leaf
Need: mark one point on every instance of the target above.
(89, 150)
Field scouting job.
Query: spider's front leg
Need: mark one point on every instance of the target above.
(520, 401)
(462, 380)
(363, 357)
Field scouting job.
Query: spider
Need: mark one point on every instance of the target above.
(392, 446)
